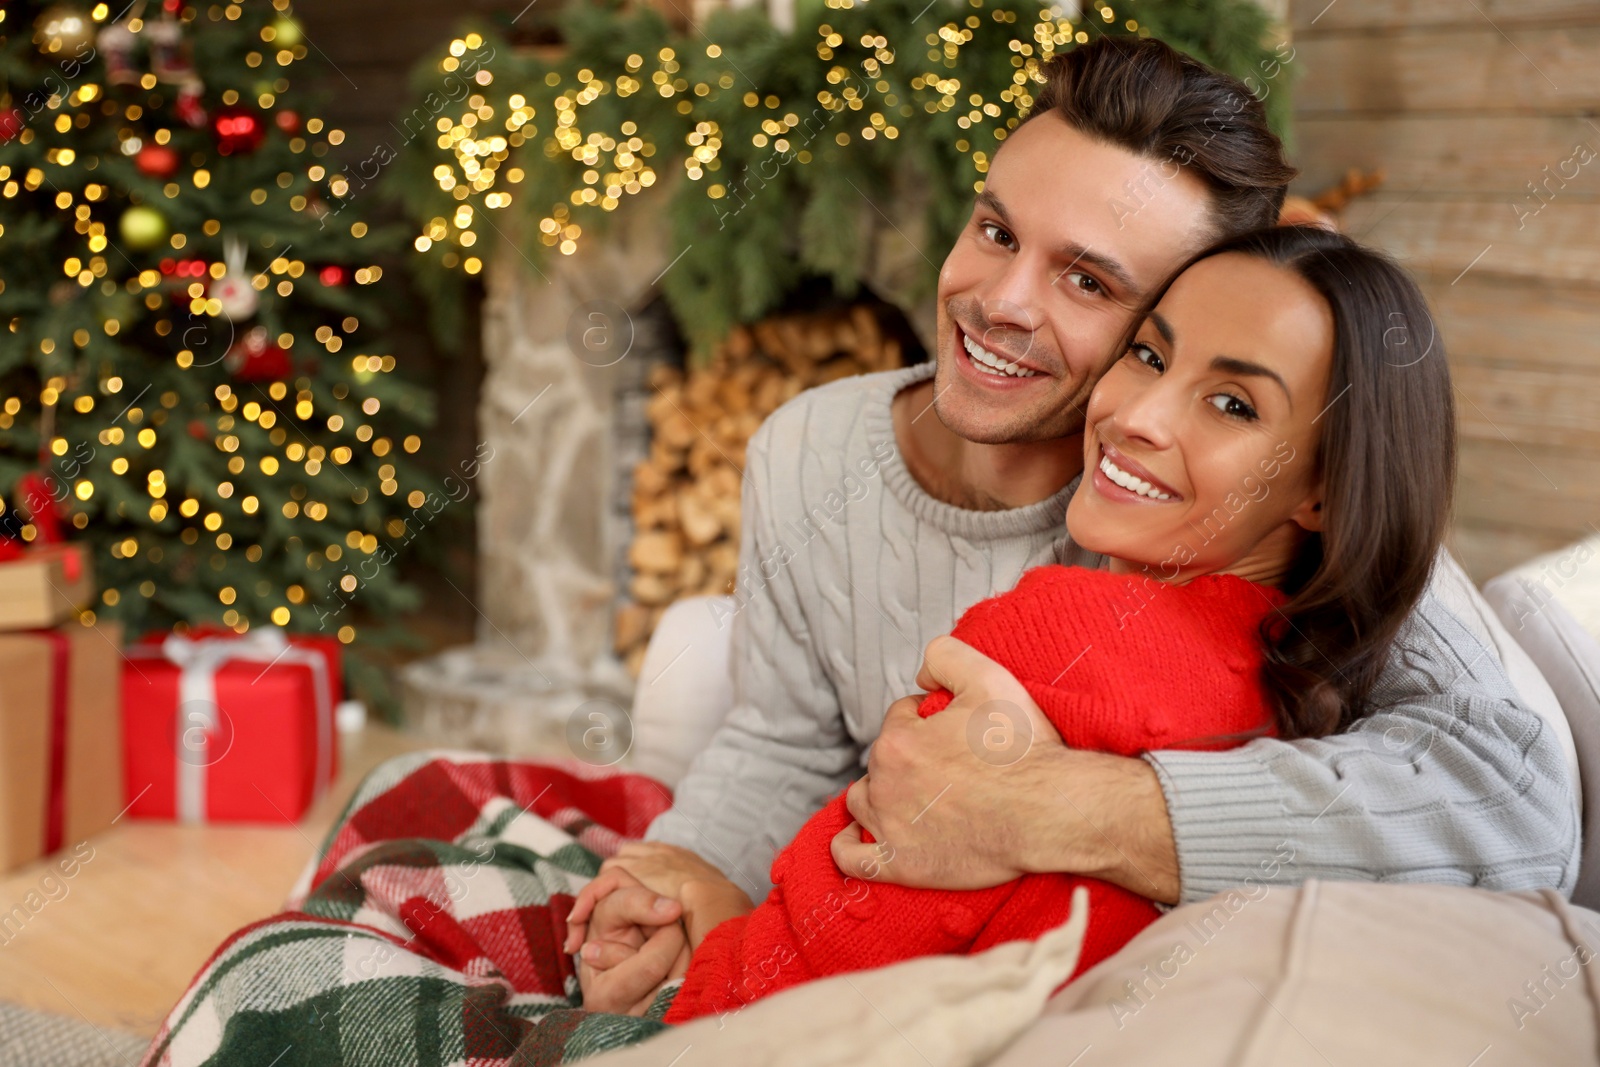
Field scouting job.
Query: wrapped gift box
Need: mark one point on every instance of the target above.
(44, 586)
(60, 738)
(229, 729)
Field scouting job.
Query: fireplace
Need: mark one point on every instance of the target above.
(610, 481)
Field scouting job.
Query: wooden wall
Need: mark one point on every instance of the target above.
(1464, 103)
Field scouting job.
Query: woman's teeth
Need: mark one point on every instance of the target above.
(1129, 482)
(990, 363)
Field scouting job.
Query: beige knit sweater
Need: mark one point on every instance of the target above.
(848, 568)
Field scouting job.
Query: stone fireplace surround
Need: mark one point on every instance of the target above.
(568, 344)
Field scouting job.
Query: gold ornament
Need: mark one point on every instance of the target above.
(63, 31)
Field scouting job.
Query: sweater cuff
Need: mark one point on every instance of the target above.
(1229, 823)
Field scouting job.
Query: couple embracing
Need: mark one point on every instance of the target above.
(1154, 530)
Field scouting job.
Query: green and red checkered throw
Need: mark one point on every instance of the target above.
(428, 930)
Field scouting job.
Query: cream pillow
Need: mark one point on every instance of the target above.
(939, 1011)
(1456, 591)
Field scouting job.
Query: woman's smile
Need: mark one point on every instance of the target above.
(1120, 479)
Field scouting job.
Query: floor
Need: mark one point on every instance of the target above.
(146, 909)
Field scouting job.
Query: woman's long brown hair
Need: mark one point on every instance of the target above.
(1387, 460)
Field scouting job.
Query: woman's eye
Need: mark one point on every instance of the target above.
(996, 234)
(1147, 355)
(1084, 283)
(1232, 406)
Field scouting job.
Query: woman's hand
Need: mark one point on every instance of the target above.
(631, 942)
(708, 896)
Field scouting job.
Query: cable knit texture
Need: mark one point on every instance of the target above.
(1075, 639)
(847, 570)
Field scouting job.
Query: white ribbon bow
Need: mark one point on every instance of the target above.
(199, 660)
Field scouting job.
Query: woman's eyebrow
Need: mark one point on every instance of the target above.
(1230, 365)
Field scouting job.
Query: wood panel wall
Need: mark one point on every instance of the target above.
(1465, 103)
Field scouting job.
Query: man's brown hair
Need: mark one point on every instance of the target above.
(1143, 95)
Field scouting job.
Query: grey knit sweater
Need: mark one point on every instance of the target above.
(849, 568)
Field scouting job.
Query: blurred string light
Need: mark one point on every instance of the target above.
(272, 450)
(481, 144)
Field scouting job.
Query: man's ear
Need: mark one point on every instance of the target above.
(1308, 516)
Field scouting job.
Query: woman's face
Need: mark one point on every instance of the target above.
(1201, 443)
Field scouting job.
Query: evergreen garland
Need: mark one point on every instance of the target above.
(769, 148)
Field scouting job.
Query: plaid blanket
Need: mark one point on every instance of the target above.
(427, 929)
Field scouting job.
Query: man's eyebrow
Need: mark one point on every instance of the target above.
(1076, 253)
(1071, 252)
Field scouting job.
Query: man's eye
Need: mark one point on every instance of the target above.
(1084, 283)
(1232, 406)
(996, 234)
(1147, 355)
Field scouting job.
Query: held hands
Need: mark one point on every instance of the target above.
(638, 921)
(631, 939)
(707, 895)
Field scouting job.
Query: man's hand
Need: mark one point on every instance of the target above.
(985, 791)
(631, 943)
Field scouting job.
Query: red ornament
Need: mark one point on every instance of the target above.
(255, 357)
(332, 275)
(199, 430)
(157, 160)
(288, 120)
(238, 129)
(189, 108)
(12, 120)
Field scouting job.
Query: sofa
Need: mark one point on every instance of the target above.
(1324, 973)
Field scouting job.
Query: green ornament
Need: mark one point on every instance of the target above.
(142, 228)
(288, 32)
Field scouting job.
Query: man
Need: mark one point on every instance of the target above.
(955, 479)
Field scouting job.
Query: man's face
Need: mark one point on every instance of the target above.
(1067, 236)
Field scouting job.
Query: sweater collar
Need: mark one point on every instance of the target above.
(1045, 516)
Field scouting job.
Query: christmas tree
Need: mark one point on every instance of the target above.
(192, 379)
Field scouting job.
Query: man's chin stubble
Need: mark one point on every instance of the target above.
(1049, 422)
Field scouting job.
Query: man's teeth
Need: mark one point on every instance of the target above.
(1129, 482)
(990, 363)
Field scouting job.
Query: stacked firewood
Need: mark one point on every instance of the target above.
(686, 494)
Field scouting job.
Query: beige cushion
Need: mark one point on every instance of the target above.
(1456, 591)
(1331, 972)
(1571, 576)
(1347, 973)
(940, 1011)
(685, 688)
(1569, 658)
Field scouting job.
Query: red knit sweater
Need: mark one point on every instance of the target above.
(1117, 663)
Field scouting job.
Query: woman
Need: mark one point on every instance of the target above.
(1270, 487)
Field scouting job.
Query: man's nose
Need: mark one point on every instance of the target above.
(1011, 299)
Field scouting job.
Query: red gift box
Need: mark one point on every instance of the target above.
(229, 729)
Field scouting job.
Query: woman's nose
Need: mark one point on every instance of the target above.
(1150, 414)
